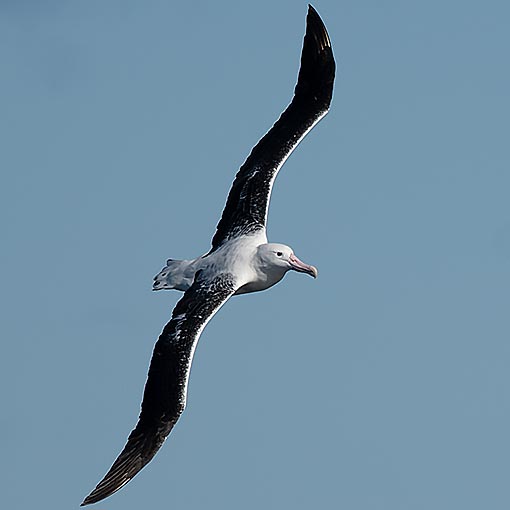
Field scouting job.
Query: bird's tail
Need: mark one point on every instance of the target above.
(177, 274)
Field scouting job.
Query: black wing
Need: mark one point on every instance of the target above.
(164, 396)
(248, 200)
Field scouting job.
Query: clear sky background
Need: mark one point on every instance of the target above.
(383, 384)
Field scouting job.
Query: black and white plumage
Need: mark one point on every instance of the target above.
(240, 260)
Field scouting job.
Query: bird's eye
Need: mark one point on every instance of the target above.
(279, 253)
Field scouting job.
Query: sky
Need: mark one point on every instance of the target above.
(383, 384)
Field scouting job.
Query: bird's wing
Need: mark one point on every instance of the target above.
(248, 201)
(164, 396)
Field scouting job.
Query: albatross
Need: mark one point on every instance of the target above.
(240, 260)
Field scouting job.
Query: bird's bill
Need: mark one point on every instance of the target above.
(301, 267)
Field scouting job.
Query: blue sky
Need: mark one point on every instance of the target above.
(383, 384)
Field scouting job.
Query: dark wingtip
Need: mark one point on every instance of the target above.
(317, 72)
(138, 451)
(314, 21)
(102, 491)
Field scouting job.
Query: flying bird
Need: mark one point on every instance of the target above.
(240, 260)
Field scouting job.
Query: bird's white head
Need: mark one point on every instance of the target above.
(280, 258)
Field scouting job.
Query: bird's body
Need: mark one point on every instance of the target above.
(245, 257)
(235, 257)
(240, 261)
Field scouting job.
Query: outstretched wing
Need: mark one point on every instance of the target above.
(248, 200)
(164, 396)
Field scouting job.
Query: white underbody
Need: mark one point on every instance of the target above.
(237, 257)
